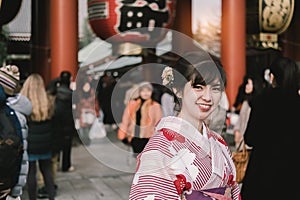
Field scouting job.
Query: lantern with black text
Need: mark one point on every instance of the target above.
(126, 19)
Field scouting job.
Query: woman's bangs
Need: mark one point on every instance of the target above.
(206, 74)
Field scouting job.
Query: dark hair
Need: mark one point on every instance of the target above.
(285, 71)
(64, 78)
(198, 67)
(257, 85)
(220, 68)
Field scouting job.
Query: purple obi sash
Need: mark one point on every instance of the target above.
(221, 193)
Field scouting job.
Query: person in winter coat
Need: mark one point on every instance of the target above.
(139, 118)
(64, 119)
(40, 134)
(85, 108)
(59, 90)
(272, 131)
(10, 184)
(22, 107)
(252, 88)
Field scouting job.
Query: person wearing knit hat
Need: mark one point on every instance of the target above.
(22, 107)
(9, 78)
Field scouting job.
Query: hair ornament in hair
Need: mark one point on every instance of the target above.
(167, 76)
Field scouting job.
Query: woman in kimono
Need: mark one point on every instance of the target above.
(184, 159)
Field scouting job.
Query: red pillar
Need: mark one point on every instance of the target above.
(64, 37)
(233, 48)
(183, 24)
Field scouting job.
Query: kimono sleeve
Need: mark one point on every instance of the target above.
(153, 179)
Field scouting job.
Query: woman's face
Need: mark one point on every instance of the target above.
(145, 93)
(198, 102)
(249, 86)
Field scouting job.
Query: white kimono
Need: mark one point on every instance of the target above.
(178, 159)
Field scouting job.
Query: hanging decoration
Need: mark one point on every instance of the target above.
(132, 21)
(267, 19)
(275, 16)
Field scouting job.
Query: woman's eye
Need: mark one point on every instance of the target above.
(217, 89)
(198, 87)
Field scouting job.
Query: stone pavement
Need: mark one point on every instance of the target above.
(103, 170)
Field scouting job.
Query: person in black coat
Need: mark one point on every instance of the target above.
(64, 128)
(40, 135)
(272, 130)
(64, 121)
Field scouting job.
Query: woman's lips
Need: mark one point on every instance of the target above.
(204, 107)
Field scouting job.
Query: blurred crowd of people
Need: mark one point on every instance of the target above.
(46, 119)
(52, 120)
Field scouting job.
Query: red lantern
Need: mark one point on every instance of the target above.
(119, 21)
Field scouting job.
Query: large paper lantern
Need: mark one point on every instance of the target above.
(269, 16)
(131, 20)
(266, 19)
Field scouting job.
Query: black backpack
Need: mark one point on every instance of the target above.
(11, 149)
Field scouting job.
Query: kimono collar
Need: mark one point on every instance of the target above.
(206, 141)
(187, 130)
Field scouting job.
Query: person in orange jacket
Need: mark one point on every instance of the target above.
(139, 118)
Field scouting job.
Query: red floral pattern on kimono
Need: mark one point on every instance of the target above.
(178, 160)
(181, 184)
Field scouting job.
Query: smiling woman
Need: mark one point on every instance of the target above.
(202, 81)
(184, 159)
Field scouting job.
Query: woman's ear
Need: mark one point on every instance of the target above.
(272, 80)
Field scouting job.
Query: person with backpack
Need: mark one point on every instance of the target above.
(23, 109)
(15, 107)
